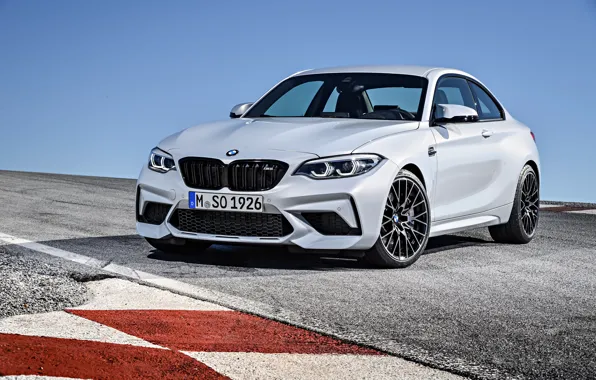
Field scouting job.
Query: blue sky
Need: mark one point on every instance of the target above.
(89, 87)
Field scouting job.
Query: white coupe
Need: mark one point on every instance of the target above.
(355, 159)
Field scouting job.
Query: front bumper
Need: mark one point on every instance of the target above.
(359, 201)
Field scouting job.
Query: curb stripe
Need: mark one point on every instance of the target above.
(28, 355)
(220, 331)
(59, 324)
(119, 294)
(255, 366)
(36, 377)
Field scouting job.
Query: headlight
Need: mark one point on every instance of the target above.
(339, 167)
(160, 161)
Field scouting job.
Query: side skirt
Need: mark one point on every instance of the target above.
(492, 217)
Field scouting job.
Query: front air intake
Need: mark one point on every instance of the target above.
(228, 223)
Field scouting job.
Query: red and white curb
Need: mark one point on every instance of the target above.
(132, 331)
(568, 208)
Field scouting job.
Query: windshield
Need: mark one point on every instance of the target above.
(345, 95)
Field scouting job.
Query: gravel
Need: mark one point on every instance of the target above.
(28, 285)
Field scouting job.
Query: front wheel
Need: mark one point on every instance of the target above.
(179, 246)
(405, 224)
(521, 227)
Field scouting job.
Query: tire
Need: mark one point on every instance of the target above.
(523, 222)
(401, 241)
(179, 246)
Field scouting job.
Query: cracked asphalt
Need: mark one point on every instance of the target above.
(468, 305)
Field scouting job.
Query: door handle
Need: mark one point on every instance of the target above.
(486, 133)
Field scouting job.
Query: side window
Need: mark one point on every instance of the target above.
(332, 101)
(452, 90)
(295, 102)
(487, 108)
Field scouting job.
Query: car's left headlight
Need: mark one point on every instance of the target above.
(161, 161)
(339, 167)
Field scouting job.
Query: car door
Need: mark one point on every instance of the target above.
(468, 156)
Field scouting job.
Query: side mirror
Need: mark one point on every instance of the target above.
(239, 110)
(454, 113)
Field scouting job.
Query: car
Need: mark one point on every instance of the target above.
(367, 161)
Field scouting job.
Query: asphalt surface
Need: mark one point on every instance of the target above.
(468, 305)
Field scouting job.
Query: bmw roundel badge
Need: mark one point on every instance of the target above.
(232, 152)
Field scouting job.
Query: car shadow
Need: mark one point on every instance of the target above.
(126, 249)
(448, 242)
(251, 257)
(268, 257)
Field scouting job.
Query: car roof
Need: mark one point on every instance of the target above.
(421, 71)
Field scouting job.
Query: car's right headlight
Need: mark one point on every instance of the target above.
(161, 161)
(339, 166)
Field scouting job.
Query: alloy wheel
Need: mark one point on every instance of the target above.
(529, 204)
(405, 219)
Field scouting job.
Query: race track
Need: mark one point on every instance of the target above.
(468, 305)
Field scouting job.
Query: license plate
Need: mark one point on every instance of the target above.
(225, 202)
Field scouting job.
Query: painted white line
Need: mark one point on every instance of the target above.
(589, 212)
(70, 256)
(550, 206)
(60, 324)
(172, 285)
(117, 294)
(251, 365)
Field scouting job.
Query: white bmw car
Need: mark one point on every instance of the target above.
(353, 159)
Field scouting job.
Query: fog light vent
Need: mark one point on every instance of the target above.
(329, 223)
(154, 213)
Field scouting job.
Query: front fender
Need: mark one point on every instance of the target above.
(408, 148)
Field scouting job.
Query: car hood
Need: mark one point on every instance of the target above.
(266, 138)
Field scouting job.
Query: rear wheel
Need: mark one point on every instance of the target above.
(521, 227)
(405, 224)
(179, 246)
